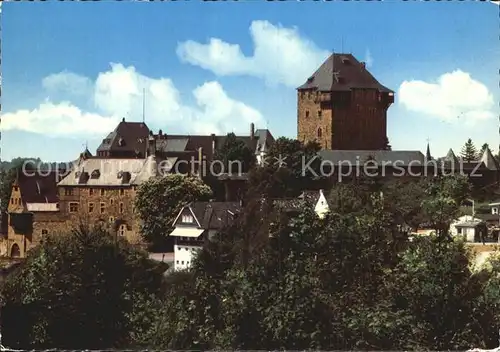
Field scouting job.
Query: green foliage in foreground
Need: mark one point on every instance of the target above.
(79, 290)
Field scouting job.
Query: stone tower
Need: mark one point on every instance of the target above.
(343, 107)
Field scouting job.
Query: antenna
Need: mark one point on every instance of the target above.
(143, 104)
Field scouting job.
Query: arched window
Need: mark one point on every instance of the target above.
(121, 230)
(320, 132)
(15, 251)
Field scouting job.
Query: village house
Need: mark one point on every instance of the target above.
(470, 228)
(197, 222)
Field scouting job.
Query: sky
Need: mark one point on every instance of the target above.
(72, 70)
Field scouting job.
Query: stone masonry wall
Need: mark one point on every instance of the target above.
(311, 117)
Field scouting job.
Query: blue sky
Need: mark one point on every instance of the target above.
(72, 70)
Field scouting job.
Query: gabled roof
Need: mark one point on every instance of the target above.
(451, 157)
(38, 187)
(128, 137)
(212, 215)
(489, 160)
(352, 73)
(168, 144)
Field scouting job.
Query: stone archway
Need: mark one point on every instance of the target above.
(15, 251)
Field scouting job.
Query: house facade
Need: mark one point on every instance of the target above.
(196, 224)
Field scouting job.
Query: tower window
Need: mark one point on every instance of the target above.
(319, 132)
(319, 113)
(307, 113)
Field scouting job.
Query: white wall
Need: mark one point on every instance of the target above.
(184, 256)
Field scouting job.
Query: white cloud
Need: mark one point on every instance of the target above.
(368, 58)
(281, 55)
(118, 93)
(454, 97)
(57, 119)
(67, 82)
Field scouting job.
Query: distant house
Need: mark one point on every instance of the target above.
(470, 228)
(196, 224)
(313, 199)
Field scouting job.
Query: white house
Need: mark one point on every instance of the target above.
(195, 224)
(314, 199)
(470, 228)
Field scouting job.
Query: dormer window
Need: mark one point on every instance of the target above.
(77, 174)
(95, 174)
(140, 140)
(120, 174)
(121, 142)
(16, 188)
(310, 79)
(345, 60)
(187, 219)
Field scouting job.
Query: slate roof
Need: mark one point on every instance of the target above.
(306, 199)
(214, 215)
(183, 143)
(403, 158)
(127, 138)
(352, 73)
(113, 172)
(38, 187)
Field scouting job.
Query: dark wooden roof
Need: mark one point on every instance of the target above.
(38, 187)
(215, 215)
(127, 138)
(351, 74)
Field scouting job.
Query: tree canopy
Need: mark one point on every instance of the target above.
(78, 290)
(235, 155)
(469, 152)
(159, 200)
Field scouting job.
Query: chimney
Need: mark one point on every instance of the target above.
(252, 131)
(123, 119)
(213, 143)
(363, 64)
(160, 133)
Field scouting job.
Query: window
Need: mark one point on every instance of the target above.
(187, 218)
(91, 191)
(176, 262)
(12, 201)
(91, 207)
(121, 230)
(182, 262)
(103, 191)
(121, 207)
(494, 210)
(319, 113)
(103, 207)
(459, 230)
(307, 113)
(319, 132)
(111, 220)
(45, 232)
(111, 202)
(68, 191)
(122, 191)
(73, 207)
(16, 188)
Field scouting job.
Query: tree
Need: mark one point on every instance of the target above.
(77, 290)
(387, 145)
(469, 151)
(234, 152)
(159, 200)
(483, 149)
(291, 167)
(9, 173)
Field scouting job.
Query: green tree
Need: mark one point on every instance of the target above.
(8, 174)
(469, 151)
(288, 169)
(235, 152)
(78, 291)
(159, 200)
(483, 149)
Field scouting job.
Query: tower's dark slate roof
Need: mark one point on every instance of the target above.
(351, 73)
